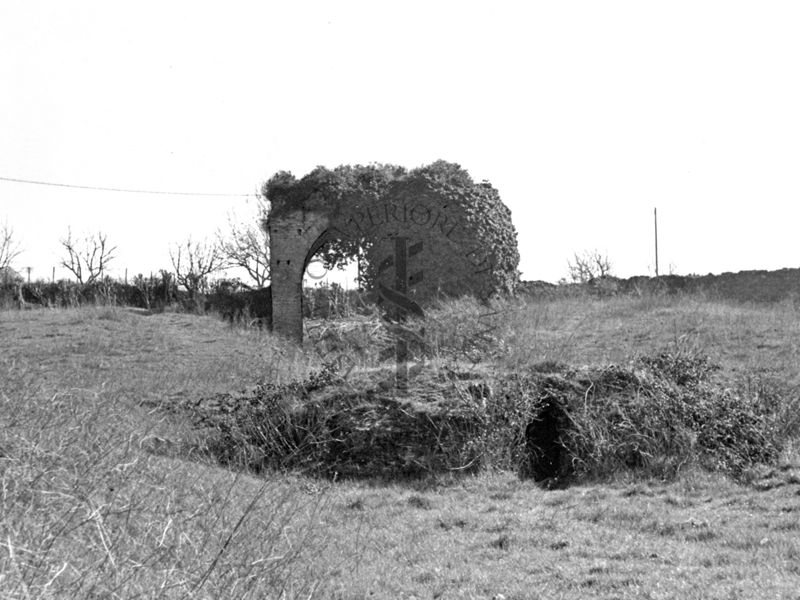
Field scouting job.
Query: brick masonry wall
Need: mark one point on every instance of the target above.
(291, 236)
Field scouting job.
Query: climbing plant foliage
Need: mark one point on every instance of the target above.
(469, 240)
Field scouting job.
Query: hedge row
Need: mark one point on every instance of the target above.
(229, 299)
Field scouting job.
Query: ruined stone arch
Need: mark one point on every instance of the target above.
(459, 233)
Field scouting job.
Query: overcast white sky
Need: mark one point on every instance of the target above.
(584, 115)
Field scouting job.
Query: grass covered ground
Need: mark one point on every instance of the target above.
(103, 493)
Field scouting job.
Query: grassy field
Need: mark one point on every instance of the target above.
(103, 493)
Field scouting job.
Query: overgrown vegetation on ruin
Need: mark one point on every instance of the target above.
(462, 223)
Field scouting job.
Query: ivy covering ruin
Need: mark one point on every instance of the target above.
(468, 241)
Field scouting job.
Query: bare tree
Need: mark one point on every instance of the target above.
(87, 259)
(194, 262)
(588, 265)
(246, 244)
(9, 247)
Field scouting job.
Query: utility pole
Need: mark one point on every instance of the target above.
(29, 274)
(655, 220)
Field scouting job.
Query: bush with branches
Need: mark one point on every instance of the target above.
(590, 264)
(88, 258)
(246, 245)
(9, 249)
(193, 263)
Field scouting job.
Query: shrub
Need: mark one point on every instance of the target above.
(322, 426)
(664, 412)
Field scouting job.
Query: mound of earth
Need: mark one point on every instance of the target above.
(549, 423)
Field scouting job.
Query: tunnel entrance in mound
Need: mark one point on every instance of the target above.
(547, 456)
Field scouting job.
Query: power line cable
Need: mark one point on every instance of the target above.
(114, 189)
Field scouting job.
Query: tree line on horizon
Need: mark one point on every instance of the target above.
(244, 245)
